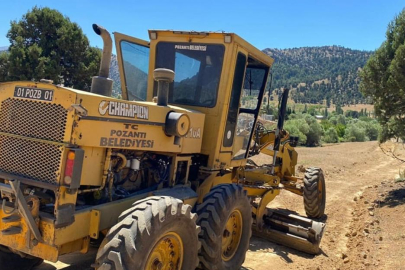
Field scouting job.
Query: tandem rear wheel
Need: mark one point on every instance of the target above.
(225, 217)
(158, 233)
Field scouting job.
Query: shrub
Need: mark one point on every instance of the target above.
(355, 133)
(331, 135)
(341, 119)
(373, 130)
(340, 129)
(333, 120)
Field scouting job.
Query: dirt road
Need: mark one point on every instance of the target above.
(363, 215)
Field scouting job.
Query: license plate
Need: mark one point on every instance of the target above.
(33, 93)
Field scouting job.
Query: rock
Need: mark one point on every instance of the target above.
(371, 213)
(381, 238)
(376, 186)
(366, 230)
(364, 255)
(347, 234)
(361, 197)
(355, 198)
(370, 208)
(301, 168)
(346, 260)
(365, 202)
(343, 255)
(356, 219)
(354, 233)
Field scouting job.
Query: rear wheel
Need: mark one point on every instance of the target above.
(314, 193)
(13, 261)
(159, 233)
(225, 217)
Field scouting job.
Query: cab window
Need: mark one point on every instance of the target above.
(197, 70)
(135, 59)
(253, 88)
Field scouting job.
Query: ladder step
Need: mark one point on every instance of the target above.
(12, 230)
(12, 218)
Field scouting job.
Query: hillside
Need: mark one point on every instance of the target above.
(316, 74)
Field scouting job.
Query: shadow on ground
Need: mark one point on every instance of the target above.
(74, 261)
(393, 198)
(261, 245)
(258, 244)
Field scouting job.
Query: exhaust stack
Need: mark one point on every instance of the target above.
(102, 84)
(163, 77)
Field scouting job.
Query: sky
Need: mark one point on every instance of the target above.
(356, 24)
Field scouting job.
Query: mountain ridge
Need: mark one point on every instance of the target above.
(316, 74)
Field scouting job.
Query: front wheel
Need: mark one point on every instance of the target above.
(158, 233)
(225, 217)
(314, 193)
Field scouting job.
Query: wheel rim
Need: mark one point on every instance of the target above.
(232, 235)
(167, 254)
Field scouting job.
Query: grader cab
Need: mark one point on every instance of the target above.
(160, 179)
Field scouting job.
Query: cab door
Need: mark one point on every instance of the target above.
(251, 98)
(133, 62)
(248, 87)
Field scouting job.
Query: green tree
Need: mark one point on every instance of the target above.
(45, 44)
(341, 119)
(3, 66)
(355, 133)
(340, 129)
(331, 135)
(333, 120)
(297, 126)
(338, 109)
(372, 130)
(383, 79)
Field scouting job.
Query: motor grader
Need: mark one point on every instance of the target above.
(160, 179)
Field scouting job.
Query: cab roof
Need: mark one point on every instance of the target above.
(224, 37)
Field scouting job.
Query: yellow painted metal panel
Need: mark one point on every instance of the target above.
(93, 163)
(111, 123)
(94, 223)
(24, 241)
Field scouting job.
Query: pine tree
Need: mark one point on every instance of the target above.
(45, 44)
(383, 79)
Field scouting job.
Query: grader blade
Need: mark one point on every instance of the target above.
(291, 230)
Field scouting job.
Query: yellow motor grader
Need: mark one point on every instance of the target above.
(160, 179)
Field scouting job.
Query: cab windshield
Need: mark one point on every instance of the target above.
(197, 70)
